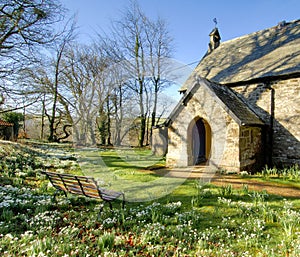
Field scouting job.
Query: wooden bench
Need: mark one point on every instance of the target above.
(82, 185)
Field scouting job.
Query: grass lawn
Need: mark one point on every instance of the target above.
(164, 216)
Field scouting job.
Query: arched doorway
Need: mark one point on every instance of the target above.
(199, 142)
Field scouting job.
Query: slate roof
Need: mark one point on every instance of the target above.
(235, 106)
(5, 123)
(267, 53)
(232, 104)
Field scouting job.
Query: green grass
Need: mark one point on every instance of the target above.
(291, 173)
(174, 217)
(278, 181)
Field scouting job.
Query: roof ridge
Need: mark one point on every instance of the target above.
(260, 31)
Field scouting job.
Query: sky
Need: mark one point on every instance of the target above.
(189, 21)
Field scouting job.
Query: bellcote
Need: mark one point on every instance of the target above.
(215, 39)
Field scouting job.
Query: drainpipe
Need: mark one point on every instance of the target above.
(271, 125)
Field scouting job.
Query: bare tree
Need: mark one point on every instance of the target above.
(84, 91)
(44, 81)
(139, 45)
(60, 48)
(25, 25)
(48, 78)
(160, 48)
(118, 98)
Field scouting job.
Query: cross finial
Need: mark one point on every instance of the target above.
(215, 21)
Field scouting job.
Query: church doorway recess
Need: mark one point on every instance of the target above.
(199, 142)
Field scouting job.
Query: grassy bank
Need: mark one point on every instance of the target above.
(194, 219)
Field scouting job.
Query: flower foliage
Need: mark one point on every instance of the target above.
(71, 228)
(211, 222)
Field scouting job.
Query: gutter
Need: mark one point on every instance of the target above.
(265, 80)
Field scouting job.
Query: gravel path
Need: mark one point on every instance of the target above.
(235, 180)
(269, 187)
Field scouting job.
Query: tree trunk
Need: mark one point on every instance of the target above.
(101, 125)
(118, 123)
(43, 118)
(108, 124)
(153, 115)
(51, 137)
(142, 114)
(142, 130)
(51, 118)
(90, 139)
(118, 114)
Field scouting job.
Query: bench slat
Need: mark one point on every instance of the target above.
(82, 185)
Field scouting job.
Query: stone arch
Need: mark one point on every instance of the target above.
(199, 141)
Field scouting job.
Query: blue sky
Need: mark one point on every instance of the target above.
(189, 21)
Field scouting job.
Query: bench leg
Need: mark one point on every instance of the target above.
(110, 206)
(102, 206)
(56, 193)
(100, 210)
(123, 201)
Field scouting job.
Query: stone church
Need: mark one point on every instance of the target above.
(240, 107)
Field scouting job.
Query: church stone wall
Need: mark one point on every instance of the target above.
(159, 144)
(251, 155)
(224, 132)
(177, 146)
(278, 104)
(230, 160)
